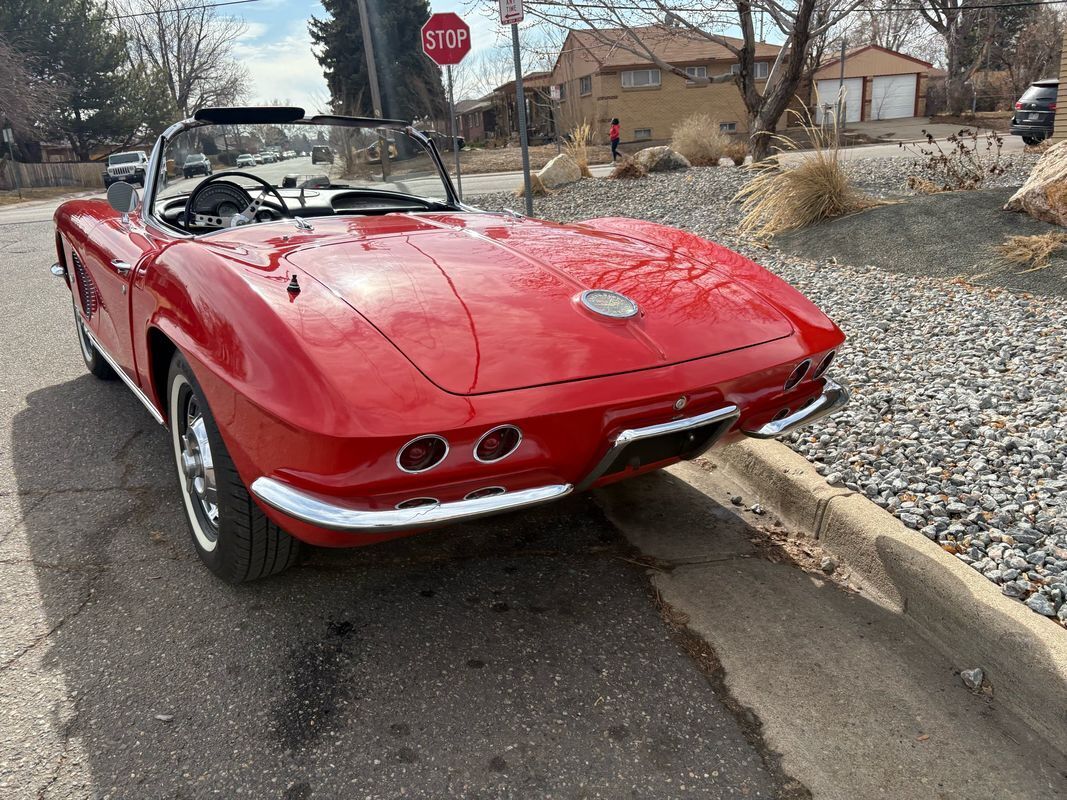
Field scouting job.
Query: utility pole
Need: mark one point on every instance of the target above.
(841, 96)
(372, 78)
(9, 137)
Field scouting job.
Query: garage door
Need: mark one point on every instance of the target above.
(893, 96)
(828, 99)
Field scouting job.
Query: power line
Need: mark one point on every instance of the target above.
(186, 8)
(607, 6)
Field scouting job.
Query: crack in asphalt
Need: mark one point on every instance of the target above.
(90, 590)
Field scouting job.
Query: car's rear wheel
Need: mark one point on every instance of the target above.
(1030, 140)
(232, 535)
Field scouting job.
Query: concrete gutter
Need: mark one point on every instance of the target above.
(1023, 654)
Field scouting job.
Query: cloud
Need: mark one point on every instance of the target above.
(284, 69)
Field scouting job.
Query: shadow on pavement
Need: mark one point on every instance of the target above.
(517, 657)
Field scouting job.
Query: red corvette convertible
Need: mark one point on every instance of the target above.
(344, 352)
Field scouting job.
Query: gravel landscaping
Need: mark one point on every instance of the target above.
(958, 424)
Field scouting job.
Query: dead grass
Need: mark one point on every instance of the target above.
(736, 151)
(627, 169)
(10, 198)
(1040, 147)
(923, 186)
(699, 140)
(537, 188)
(577, 147)
(1032, 252)
(817, 188)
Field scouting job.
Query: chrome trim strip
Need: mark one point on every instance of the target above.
(133, 387)
(719, 415)
(834, 397)
(478, 443)
(327, 513)
(424, 469)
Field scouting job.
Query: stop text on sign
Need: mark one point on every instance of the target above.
(446, 39)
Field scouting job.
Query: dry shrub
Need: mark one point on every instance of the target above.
(1040, 147)
(577, 146)
(923, 186)
(736, 151)
(785, 198)
(698, 138)
(627, 169)
(1031, 251)
(537, 188)
(964, 162)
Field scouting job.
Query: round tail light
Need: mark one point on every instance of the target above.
(824, 365)
(798, 374)
(422, 454)
(488, 491)
(417, 502)
(497, 444)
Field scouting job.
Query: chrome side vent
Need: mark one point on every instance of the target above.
(90, 298)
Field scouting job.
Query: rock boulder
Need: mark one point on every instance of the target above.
(560, 171)
(661, 159)
(1044, 195)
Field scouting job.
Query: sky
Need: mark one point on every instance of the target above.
(276, 47)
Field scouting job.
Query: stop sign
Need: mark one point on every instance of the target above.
(446, 38)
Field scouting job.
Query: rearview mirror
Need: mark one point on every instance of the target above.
(123, 198)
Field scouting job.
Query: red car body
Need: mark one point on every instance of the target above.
(451, 323)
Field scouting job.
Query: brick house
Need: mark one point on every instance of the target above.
(598, 81)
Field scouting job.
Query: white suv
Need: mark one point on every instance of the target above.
(129, 167)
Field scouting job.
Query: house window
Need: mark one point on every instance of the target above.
(761, 69)
(694, 73)
(640, 78)
(563, 91)
(642, 133)
(727, 127)
(585, 85)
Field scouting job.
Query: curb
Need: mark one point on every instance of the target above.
(1024, 655)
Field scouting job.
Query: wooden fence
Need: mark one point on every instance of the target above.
(74, 174)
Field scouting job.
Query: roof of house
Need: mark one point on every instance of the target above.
(466, 106)
(608, 46)
(855, 51)
(531, 80)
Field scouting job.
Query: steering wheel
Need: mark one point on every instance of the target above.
(243, 217)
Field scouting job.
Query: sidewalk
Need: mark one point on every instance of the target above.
(856, 703)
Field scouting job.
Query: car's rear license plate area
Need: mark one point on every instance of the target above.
(681, 444)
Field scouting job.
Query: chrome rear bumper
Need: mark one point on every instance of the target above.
(326, 513)
(834, 397)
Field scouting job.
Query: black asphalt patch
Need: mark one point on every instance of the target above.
(921, 235)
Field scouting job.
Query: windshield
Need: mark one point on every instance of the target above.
(335, 157)
(194, 158)
(124, 158)
(1038, 92)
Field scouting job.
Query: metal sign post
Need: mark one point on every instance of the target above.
(446, 39)
(9, 137)
(455, 133)
(511, 13)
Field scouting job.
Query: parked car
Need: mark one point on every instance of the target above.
(196, 164)
(443, 140)
(269, 157)
(321, 154)
(381, 358)
(245, 160)
(1035, 111)
(129, 167)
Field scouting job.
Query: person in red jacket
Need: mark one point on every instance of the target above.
(613, 136)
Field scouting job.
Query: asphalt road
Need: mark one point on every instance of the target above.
(517, 657)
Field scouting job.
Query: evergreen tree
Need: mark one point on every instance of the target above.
(410, 82)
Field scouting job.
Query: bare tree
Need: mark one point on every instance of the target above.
(191, 47)
(967, 31)
(637, 28)
(890, 24)
(25, 98)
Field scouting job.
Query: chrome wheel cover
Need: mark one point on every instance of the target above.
(196, 467)
(83, 337)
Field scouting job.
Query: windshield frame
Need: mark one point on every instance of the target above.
(252, 116)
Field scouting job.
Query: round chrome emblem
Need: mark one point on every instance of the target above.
(608, 303)
(680, 403)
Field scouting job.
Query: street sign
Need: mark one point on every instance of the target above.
(446, 39)
(511, 12)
